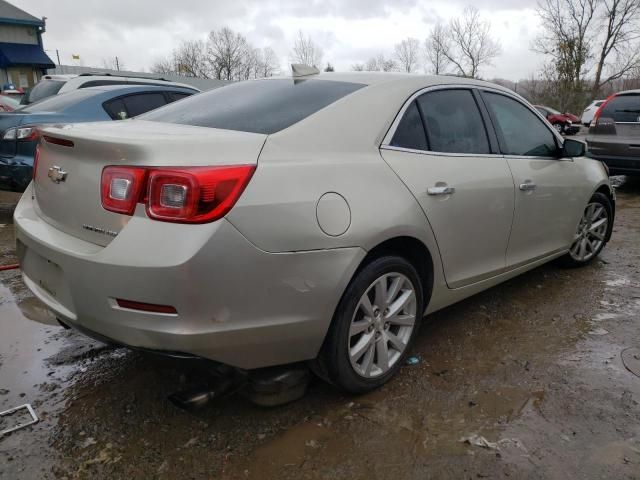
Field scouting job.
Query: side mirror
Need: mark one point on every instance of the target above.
(573, 148)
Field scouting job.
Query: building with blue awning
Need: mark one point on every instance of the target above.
(23, 60)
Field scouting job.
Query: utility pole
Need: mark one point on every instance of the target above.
(58, 55)
(117, 64)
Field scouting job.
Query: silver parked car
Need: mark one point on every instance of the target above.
(303, 219)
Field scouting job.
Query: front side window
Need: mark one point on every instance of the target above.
(453, 122)
(521, 132)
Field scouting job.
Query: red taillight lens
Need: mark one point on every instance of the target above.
(146, 307)
(36, 158)
(196, 194)
(183, 195)
(596, 116)
(121, 188)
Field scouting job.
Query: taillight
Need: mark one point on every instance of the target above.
(122, 188)
(596, 115)
(36, 158)
(22, 134)
(183, 195)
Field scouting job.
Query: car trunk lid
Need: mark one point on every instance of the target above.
(70, 198)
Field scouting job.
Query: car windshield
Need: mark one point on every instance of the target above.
(43, 89)
(260, 106)
(552, 111)
(58, 103)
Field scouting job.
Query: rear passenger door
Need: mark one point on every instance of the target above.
(549, 194)
(442, 150)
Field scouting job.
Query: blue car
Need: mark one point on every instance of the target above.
(19, 132)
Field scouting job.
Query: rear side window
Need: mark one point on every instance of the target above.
(623, 108)
(116, 109)
(142, 103)
(521, 132)
(453, 122)
(175, 96)
(410, 131)
(260, 106)
(41, 90)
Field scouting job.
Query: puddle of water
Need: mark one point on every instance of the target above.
(25, 345)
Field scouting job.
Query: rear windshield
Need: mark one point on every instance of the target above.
(42, 89)
(261, 106)
(623, 108)
(60, 102)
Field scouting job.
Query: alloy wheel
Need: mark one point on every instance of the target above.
(382, 325)
(591, 233)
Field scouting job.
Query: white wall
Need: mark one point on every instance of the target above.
(18, 34)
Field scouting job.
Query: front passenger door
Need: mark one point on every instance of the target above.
(549, 190)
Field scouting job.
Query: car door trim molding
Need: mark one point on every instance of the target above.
(439, 154)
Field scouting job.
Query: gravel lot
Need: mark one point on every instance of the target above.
(529, 373)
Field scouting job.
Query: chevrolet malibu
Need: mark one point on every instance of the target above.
(310, 219)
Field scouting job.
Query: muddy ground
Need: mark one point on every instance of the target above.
(529, 371)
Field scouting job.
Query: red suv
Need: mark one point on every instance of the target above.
(565, 123)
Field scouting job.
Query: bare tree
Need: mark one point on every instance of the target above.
(269, 63)
(113, 63)
(163, 66)
(190, 59)
(470, 43)
(407, 54)
(306, 52)
(227, 54)
(566, 35)
(435, 46)
(620, 40)
(377, 63)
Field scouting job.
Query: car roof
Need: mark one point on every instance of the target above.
(374, 78)
(629, 92)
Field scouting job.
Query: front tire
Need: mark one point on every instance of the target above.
(374, 325)
(592, 233)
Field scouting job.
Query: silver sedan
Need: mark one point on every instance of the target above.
(315, 218)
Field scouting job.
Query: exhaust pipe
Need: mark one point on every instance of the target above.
(198, 397)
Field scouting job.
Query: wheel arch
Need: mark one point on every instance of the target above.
(607, 190)
(413, 250)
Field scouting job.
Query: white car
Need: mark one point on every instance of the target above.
(312, 219)
(55, 84)
(590, 111)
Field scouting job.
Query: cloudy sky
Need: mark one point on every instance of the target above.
(349, 31)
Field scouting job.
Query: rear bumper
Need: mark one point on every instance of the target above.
(236, 304)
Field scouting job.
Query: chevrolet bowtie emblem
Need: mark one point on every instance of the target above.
(56, 174)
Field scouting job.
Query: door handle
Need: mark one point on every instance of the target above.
(441, 190)
(527, 186)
